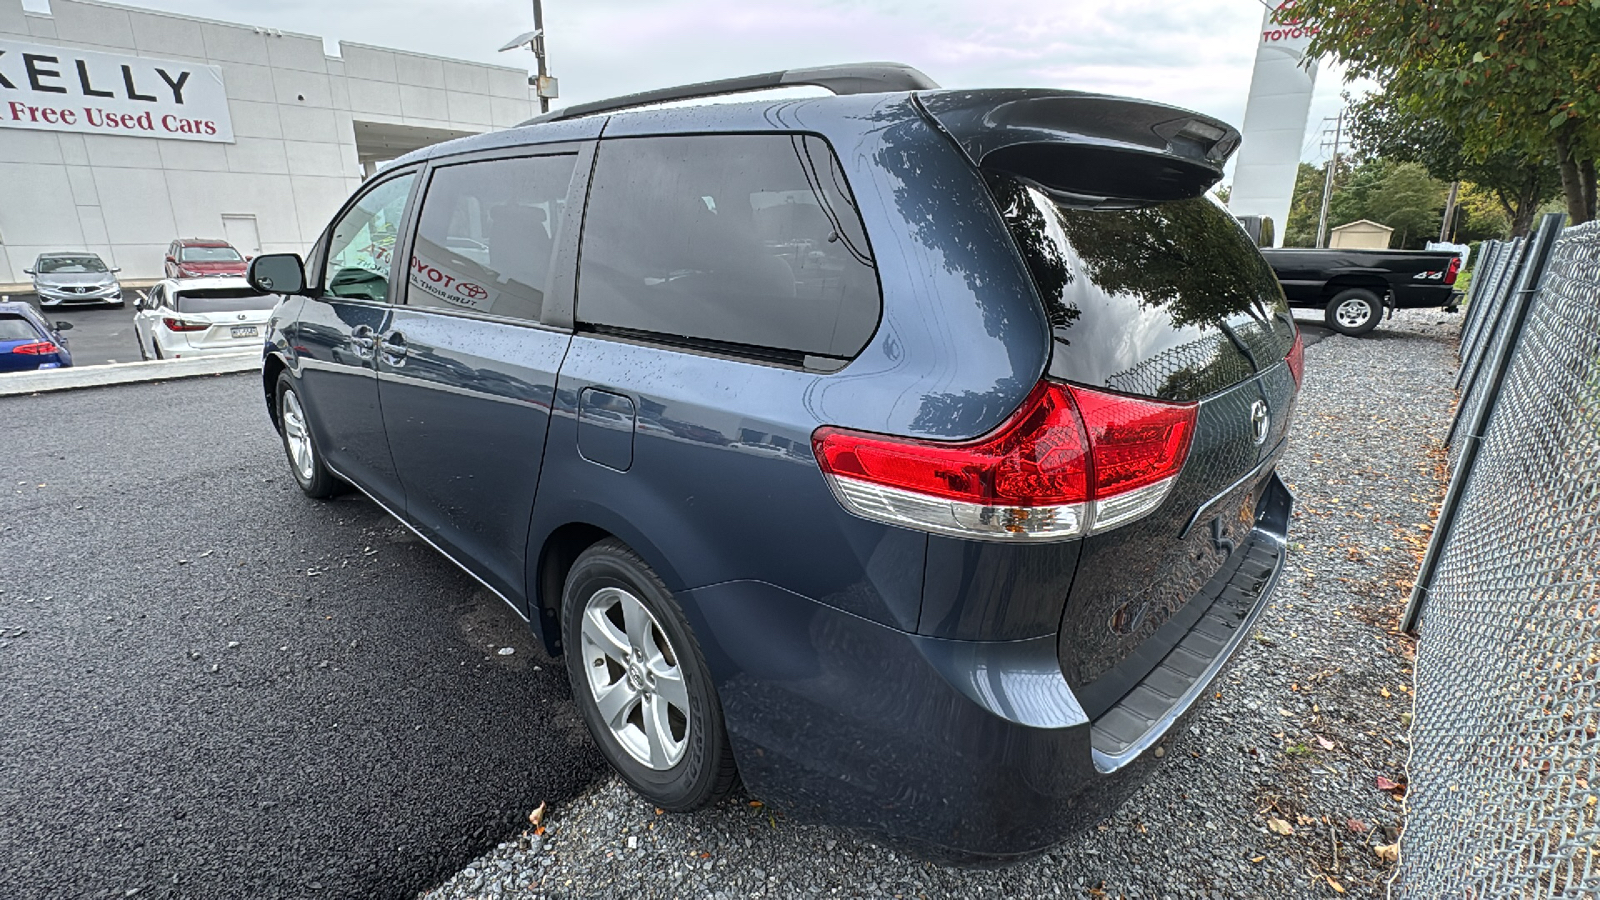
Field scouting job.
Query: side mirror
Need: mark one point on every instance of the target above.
(277, 273)
(171, 259)
(139, 301)
(63, 326)
(116, 269)
(27, 271)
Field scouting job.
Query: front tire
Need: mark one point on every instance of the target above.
(305, 460)
(641, 683)
(1354, 311)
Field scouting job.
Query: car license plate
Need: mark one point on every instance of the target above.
(244, 331)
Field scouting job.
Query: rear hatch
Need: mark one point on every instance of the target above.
(1151, 290)
(1168, 301)
(224, 317)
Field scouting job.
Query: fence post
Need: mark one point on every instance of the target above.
(1517, 304)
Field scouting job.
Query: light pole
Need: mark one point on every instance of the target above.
(545, 86)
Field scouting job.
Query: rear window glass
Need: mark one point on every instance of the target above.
(16, 328)
(211, 254)
(743, 241)
(70, 265)
(222, 300)
(1170, 301)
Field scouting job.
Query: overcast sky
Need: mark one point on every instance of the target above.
(1192, 53)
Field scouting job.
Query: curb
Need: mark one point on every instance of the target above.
(16, 383)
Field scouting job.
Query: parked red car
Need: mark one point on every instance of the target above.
(203, 258)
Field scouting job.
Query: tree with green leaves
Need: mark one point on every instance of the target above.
(1387, 125)
(1513, 75)
(1400, 195)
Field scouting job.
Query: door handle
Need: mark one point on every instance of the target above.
(363, 339)
(393, 347)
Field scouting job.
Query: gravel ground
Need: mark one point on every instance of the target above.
(1273, 792)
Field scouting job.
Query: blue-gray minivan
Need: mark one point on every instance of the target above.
(907, 454)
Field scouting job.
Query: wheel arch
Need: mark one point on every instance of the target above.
(1338, 283)
(271, 368)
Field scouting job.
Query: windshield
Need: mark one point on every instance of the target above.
(1170, 300)
(224, 300)
(16, 328)
(211, 254)
(69, 265)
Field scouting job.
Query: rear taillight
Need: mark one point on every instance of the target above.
(1297, 359)
(38, 348)
(1451, 273)
(184, 325)
(1070, 461)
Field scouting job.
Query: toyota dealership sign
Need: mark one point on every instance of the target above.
(49, 88)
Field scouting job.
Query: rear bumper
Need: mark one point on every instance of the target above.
(968, 749)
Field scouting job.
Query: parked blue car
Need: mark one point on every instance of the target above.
(907, 453)
(28, 342)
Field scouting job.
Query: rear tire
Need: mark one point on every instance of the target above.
(1354, 311)
(641, 683)
(300, 445)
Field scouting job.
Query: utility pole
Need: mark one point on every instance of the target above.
(544, 85)
(1327, 182)
(538, 54)
(1449, 212)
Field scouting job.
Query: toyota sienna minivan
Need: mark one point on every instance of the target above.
(906, 453)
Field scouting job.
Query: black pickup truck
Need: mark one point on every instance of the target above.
(1354, 286)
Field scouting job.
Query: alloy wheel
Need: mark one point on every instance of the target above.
(1353, 313)
(634, 678)
(298, 437)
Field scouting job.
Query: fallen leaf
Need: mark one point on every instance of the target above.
(1324, 743)
(755, 802)
(1388, 852)
(537, 815)
(1279, 826)
(1356, 825)
(1256, 859)
(1305, 820)
(1284, 712)
(1384, 692)
(1385, 784)
(1337, 887)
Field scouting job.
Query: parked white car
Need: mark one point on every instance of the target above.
(181, 318)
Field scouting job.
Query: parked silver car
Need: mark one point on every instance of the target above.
(63, 278)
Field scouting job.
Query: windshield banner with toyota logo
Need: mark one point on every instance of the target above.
(451, 286)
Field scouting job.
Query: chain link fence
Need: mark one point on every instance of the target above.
(1504, 793)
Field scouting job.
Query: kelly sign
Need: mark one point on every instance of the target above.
(61, 89)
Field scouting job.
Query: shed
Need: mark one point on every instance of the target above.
(1362, 234)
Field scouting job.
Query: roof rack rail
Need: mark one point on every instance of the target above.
(854, 78)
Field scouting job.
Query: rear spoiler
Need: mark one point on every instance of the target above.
(1087, 149)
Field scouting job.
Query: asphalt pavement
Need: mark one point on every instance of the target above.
(211, 686)
(99, 335)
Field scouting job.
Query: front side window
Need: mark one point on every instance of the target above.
(487, 235)
(739, 241)
(363, 242)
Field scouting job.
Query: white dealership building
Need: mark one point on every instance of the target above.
(122, 129)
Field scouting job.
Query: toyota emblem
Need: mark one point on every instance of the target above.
(471, 291)
(1260, 422)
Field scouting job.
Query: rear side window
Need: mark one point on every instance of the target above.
(487, 235)
(743, 242)
(16, 328)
